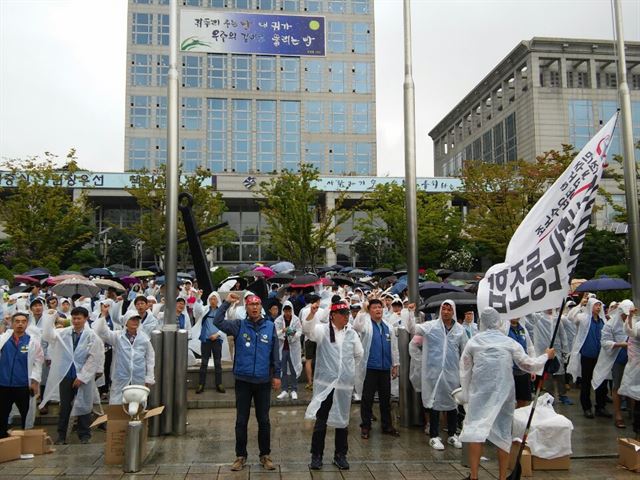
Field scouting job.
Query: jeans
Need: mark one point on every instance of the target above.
(289, 379)
(8, 396)
(434, 422)
(261, 394)
(587, 365)
(207, 349)
(376, 381)
(67, 394)
(320, 431)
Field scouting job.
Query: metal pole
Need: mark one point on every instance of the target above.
(155, 397)
(180, 385)
(133, 447)
(410, 160)
(172, 180)
(630, 181)
(168, 359)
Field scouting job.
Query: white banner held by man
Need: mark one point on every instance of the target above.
(544, 250)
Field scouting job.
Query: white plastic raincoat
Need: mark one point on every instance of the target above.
(613, 332)
(88, 358)
(543, 326)
(441, 352)
(630, 385)
(487, 382)
(415, 365)
(132, 363)
(335, 370)
(582, 320)
(295, 349)
(199, 312)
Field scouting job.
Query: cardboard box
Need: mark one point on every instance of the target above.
(10, 449)
(629, 454)
(525, 459)
(35, 441)
(117, 423)
(560, 463)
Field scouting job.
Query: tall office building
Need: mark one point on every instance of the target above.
(248, 113)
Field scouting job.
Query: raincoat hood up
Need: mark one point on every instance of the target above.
(295, 348)
(200, 312)
(613, 332)
(630, 385)
(582, 320)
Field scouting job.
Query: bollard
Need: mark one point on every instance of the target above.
(133, 447)
(168, 359)
(155, 397)
(406, 391)
(180, 385)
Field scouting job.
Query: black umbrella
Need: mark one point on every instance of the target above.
(303, 281)
(443, 273)
(400, 273)
(465, 276)
(40, 273)
(389, 279)
(280, 278)
(260, 288)
(342, 280)
(20, 289)
(99, 272)
(382, 272)
(429, 289)
(464, 302)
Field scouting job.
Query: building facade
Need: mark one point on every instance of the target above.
(255, 114)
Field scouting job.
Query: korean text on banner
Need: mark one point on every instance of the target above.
(544, 250)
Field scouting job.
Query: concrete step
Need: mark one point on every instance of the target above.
(193, 374)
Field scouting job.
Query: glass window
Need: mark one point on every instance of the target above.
(337, 37)
(217, 3)
(313, 5)
(291, 5)
(361, 38)
(338, 117)
(290, 135)
(337, 6)
(139, 153)
(266, 135)
(249, 252)
(217, 71)
(141, 70)
(468, 153)
(191, 154)
(163, 29)
(338, 156)
(163, 2)
(161, 112)
(241, 72)
(498, 144)
(607, 110)
(336, 77)
(191, 71)
(487, 147)
(290, 74)
(266, 73)
(265, 4)
(161, 151)
(140, 111)
(477, 149)
(240, 4)
(314, 117)
(580, 122)
(360, 7)
(313, 75)
(241, 136)
(216, 134)
(192, 3)
(362, 158)
(360, 118)
(142, 2)
(162, 70)
(191, 113)
(142, 29)
(361, 77)
(510, 136)
(314, 154)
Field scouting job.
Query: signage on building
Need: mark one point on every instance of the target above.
(251, 33)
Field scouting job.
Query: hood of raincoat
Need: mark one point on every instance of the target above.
(592, 301)
(214, 294)
(625, 306)
(490, 319)
(453, 306)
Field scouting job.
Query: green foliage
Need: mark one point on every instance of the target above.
(43, 220)
(460, 260)
(383, 228)
(19, 268)
(6, 273)
(217, 276)
(208, 207)
(430, 275)
(619, 271)
(616, 172)
(298, 226)
(85, 258)
(601, 248)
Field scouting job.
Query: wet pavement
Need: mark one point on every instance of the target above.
(208, 450)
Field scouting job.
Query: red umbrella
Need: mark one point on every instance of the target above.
(25, 279)
(327, 282)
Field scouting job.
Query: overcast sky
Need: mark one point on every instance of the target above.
(62, 68)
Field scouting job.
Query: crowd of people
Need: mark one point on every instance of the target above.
(343, 341)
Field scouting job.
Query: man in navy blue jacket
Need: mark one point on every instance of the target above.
(256, 368)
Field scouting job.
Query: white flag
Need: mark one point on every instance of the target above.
(544, 250)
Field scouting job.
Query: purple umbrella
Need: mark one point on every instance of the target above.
(129, 281)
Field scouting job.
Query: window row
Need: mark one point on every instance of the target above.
(246, 72)
(357, 7)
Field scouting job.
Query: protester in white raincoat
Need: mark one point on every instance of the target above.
(133, 355)
(415, 366)
(338, 351)
(469, 324)
(488, 391)
(289, 331)
(199, 312)
(77, 355)
(21, 360)
(141, 305)
(630, 385)
(444, 341)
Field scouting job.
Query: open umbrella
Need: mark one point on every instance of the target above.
(143, 273)
(399, 287)
(465, 276)
(382, 272)
(281, 278)
(105, 283)
(120, 267)
(357, 273)
(268, 272)
(283, 267)
(464, 302)
(26, 279)
(61, 278)
(575, 283)
(19, 289)
(443, 272)
(429, 289)
(603, 283)
(76, 286)
(342, 280)
(327, 282)
(38, 273)
(129, 281)
(304, 281)
(99, 272)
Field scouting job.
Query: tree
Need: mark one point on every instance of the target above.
(501, 195)
(298, 225)
(383, 228)
(45, 223)
(600, 248)
(149, 193)
(617, 174)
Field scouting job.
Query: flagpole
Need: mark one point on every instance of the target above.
(630, 182)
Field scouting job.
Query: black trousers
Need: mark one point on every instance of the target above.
(67, 394)
(261, 395)
(587, 365)
(434, 422)
(376, 381)
(320, 431)
(8, 396)
(108, 357)
(207, 349)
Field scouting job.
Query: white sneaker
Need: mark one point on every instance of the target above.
(453, 440)
(436, 443)
(294, 395)
(284, 394)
